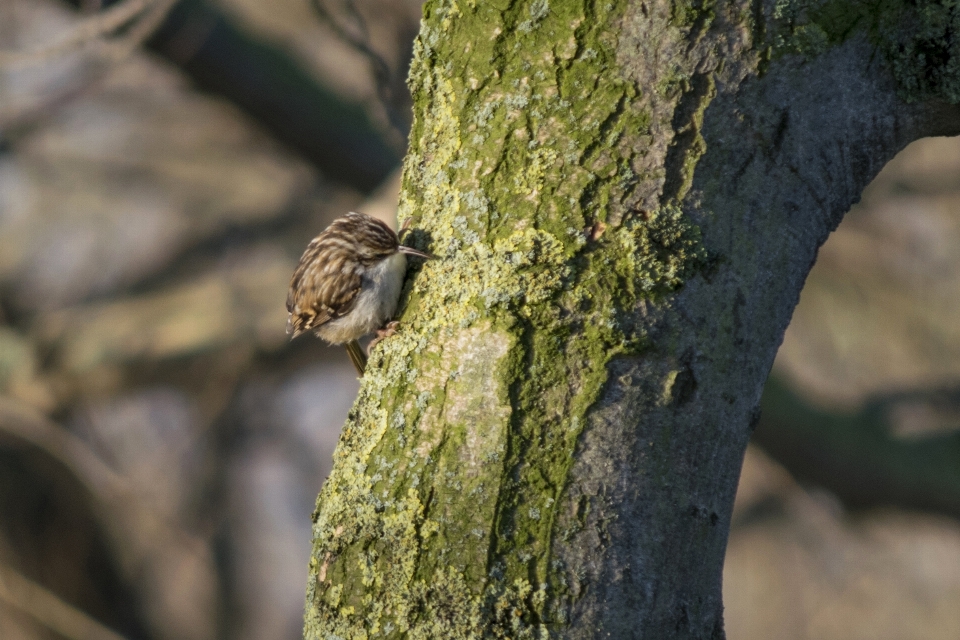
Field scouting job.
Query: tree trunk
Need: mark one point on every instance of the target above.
(625, 199)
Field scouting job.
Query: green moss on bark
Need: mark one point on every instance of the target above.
(918, 38)
(532, 167)
(438, 516)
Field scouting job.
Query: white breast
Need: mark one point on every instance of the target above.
(376, 303)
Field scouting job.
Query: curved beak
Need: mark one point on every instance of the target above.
(413, 252)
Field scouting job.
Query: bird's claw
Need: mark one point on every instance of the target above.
(388, 330)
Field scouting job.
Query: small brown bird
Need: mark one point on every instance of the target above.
(348, 283)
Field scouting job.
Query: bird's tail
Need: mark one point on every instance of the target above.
(357, 356)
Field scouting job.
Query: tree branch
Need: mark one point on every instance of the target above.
(626, 198)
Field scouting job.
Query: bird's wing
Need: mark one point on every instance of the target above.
(323, 288)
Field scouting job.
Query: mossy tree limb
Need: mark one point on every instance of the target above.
(625, 198)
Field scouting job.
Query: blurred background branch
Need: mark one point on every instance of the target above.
(334, 134)
(391, 87)
(25, 424)
(860, 456)
(97, 53)
(94, 32)
(44, 605)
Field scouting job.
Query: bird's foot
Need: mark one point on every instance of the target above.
(388, 330)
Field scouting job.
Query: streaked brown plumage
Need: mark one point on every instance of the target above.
(348, 282)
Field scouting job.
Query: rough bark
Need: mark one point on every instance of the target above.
(626, 198)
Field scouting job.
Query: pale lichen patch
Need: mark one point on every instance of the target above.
(476, 398)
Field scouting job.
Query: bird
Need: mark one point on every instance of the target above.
(348, 282)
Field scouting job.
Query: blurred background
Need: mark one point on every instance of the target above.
(162, 166)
